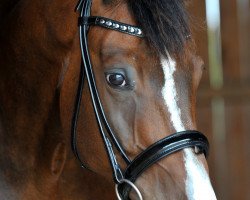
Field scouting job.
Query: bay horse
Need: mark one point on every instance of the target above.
(128, 113)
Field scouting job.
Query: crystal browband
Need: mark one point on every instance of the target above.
(112, 24)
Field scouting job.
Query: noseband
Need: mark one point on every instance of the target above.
(124, 179)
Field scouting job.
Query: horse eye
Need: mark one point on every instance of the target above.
(116, 79)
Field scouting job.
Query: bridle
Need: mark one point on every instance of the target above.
(149, 156)
(124, 179)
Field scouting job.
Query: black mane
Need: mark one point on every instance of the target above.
(164, 22)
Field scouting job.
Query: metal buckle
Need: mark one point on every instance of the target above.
(129, 183)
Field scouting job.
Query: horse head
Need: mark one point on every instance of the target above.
(133, 109)
(143, 89)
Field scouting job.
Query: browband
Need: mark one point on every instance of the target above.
(111, 24)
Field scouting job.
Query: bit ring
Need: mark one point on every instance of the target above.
(129, 183)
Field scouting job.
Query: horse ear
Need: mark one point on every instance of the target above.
(58, 160)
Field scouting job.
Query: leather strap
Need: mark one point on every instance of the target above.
(163, 148)
(168, 145)
(104, 127)
(111, 24)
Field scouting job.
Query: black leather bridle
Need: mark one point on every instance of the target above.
(151, 155)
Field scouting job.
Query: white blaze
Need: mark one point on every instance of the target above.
(170, 94)
(198, 186)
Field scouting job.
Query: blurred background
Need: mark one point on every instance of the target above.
(222, 33)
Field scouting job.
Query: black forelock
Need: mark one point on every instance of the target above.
(165, 23)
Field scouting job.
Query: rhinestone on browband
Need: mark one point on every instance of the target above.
(115, 25)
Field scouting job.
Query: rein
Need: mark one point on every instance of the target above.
(124, 179)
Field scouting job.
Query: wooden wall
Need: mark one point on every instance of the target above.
(224, 112)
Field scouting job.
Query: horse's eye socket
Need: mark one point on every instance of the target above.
(116, 79)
